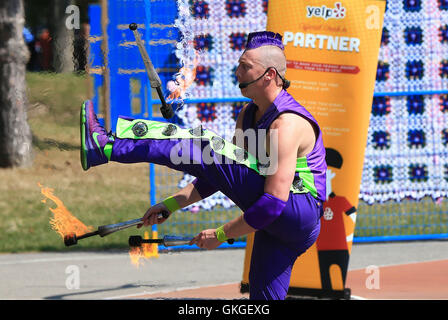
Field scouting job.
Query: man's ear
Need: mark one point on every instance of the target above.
(271, 74)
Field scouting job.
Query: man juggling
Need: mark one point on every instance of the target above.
(281, 198)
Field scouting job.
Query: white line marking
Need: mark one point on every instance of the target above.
(353, 297)
(62, 259)
(169, 290)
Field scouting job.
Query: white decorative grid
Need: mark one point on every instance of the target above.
(406, 153)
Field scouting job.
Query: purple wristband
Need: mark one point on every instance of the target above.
(203, 188)
(264, 211)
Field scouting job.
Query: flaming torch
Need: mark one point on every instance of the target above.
(154, 79)
(63, 221)
(71, 229)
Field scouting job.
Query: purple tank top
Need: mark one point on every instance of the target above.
(311, 169)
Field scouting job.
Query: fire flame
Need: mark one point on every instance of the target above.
(146, 251)
(183, 80)
(63, 221)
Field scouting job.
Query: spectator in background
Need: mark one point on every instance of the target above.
(43, 49)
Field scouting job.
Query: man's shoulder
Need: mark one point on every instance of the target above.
(290, 119)
(290, 104)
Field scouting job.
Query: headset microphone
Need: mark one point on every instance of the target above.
(246, 84)
(286, 83)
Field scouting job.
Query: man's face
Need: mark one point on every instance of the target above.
(250, 68)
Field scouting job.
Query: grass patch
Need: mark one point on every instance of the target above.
(103, 195)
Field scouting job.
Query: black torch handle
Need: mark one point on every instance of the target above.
(229, 241)
(163, 214)
(87, 235)
(154, 79)
(151, 241)
(167, 111)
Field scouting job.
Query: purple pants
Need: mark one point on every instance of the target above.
(277, 246)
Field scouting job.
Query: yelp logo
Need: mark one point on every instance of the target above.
(338, 12)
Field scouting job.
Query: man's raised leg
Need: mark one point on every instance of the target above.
(198, 152)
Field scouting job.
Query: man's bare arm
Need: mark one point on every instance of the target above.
(293, 135)
(288, 135)
(187, 195)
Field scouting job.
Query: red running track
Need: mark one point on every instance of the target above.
(411, 281)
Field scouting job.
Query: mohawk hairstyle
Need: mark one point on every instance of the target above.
(264, 38)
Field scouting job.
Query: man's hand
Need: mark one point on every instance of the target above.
(151, 216)
(206, 240)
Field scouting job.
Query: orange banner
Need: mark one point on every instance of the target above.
(332, 50)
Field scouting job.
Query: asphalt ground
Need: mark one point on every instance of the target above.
(111, 275)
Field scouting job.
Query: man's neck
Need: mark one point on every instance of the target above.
(264, 102)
